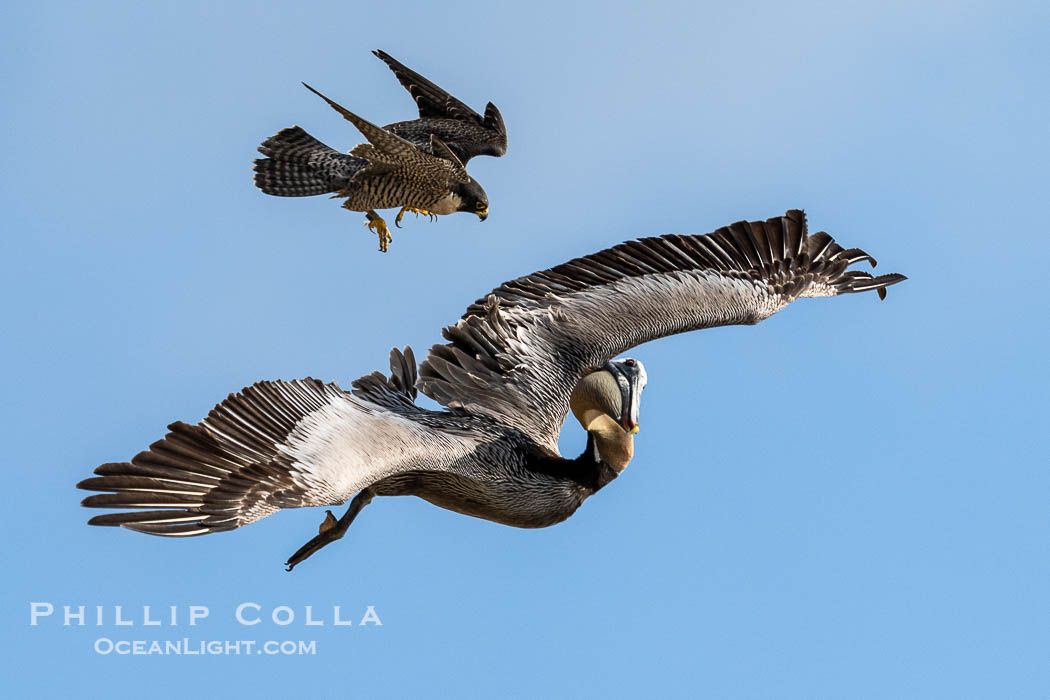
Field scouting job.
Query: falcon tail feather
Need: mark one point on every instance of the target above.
(298, 165)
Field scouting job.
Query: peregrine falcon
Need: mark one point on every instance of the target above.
(463, 130)
(388, 171)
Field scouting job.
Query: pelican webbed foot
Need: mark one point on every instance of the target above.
(417, 212)
(331, 529)
(376, 224)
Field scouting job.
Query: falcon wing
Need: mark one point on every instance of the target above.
(441, 150)
(462, 129)
(431, 100)
(390, 145)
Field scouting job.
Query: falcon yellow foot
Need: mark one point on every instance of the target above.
(417, 212)
(378, 226)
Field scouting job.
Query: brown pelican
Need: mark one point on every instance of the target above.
(514, 365)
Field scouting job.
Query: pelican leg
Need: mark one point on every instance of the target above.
(331, 529)
(417, 212)
(378, 226)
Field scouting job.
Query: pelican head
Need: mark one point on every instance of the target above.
(605, 402)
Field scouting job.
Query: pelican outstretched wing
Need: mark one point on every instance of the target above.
(517, 353)
(273, 445)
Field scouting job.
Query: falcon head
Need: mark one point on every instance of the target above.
(470, 197)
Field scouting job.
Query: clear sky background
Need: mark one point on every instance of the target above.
(848, 500)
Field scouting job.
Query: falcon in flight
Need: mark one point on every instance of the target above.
(417, 165)
(388, 171)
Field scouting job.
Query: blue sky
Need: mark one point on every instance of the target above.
(848, 500)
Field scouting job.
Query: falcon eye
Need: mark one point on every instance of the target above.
(481, 205)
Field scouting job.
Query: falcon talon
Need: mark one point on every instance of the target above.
(414, 210)
(401, 215)
(376, 224)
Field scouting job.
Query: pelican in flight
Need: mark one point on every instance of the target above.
(512, 368)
